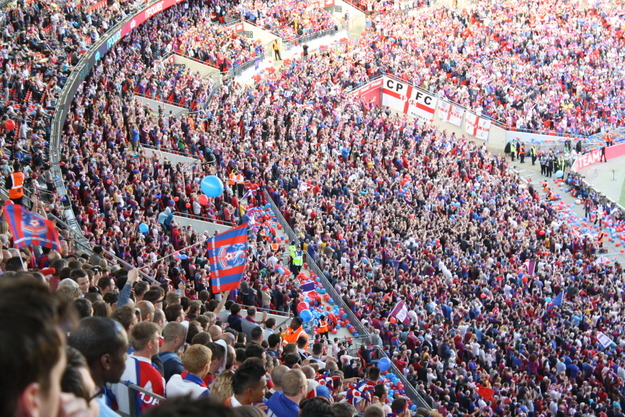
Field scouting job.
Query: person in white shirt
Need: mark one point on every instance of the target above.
(196, 361)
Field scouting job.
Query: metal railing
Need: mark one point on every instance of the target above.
(363, 332)
(203, 218)
(237, 70)
(310, 37)
(78, 239)
(230, 20)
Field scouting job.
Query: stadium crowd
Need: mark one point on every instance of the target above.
(289, 20)
(215, 45)
(508, 311)
(525, 66)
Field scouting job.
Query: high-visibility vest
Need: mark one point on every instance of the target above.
(323, 327)
(17, 190)
(298, 259)
(239, 179)
(232, 178)
(291, 336)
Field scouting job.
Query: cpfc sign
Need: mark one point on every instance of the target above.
(403, 97)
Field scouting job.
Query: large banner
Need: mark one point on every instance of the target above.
(594, 156)
(477, 126)
(403, 97)
(450, 113)
(371, 92)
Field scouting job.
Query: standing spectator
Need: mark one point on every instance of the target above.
(174, 335)
(144, 338)
(196, 361)
(104, 344)
(285, 403)
(248, 384)
(32, 343)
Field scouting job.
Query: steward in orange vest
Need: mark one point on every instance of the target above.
(294, 332)
(15, 185)
(323, 328)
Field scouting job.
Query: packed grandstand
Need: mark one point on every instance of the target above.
(456, 284)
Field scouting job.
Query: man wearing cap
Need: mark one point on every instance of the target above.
(294, 332)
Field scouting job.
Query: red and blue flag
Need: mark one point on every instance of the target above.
(400, 312)
(30, 228)
(228, 258)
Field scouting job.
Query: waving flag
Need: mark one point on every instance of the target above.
(558, 300)
(400, 312)
(228, 257)
(30, 228)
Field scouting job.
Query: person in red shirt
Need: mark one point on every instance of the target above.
(144, 338)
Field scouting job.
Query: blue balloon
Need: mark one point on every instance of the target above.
(212, 186)
(281, 271)
(384, 364)
(144, 228)
(306, 316)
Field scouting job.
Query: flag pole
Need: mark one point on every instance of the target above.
(172, 254)
(216, 270)
(19, 253)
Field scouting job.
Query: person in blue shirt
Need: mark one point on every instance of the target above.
(174, 335)
(234, 319)
(285, 403)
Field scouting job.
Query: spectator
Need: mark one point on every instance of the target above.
(32, 339)
(190, 383)
(144, 338)
(174, 335)
(285, 403)
(104, 344)
(248, 384)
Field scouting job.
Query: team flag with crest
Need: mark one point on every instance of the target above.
(228, 257)
(30, 228)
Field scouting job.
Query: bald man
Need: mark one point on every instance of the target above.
(147, 310)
